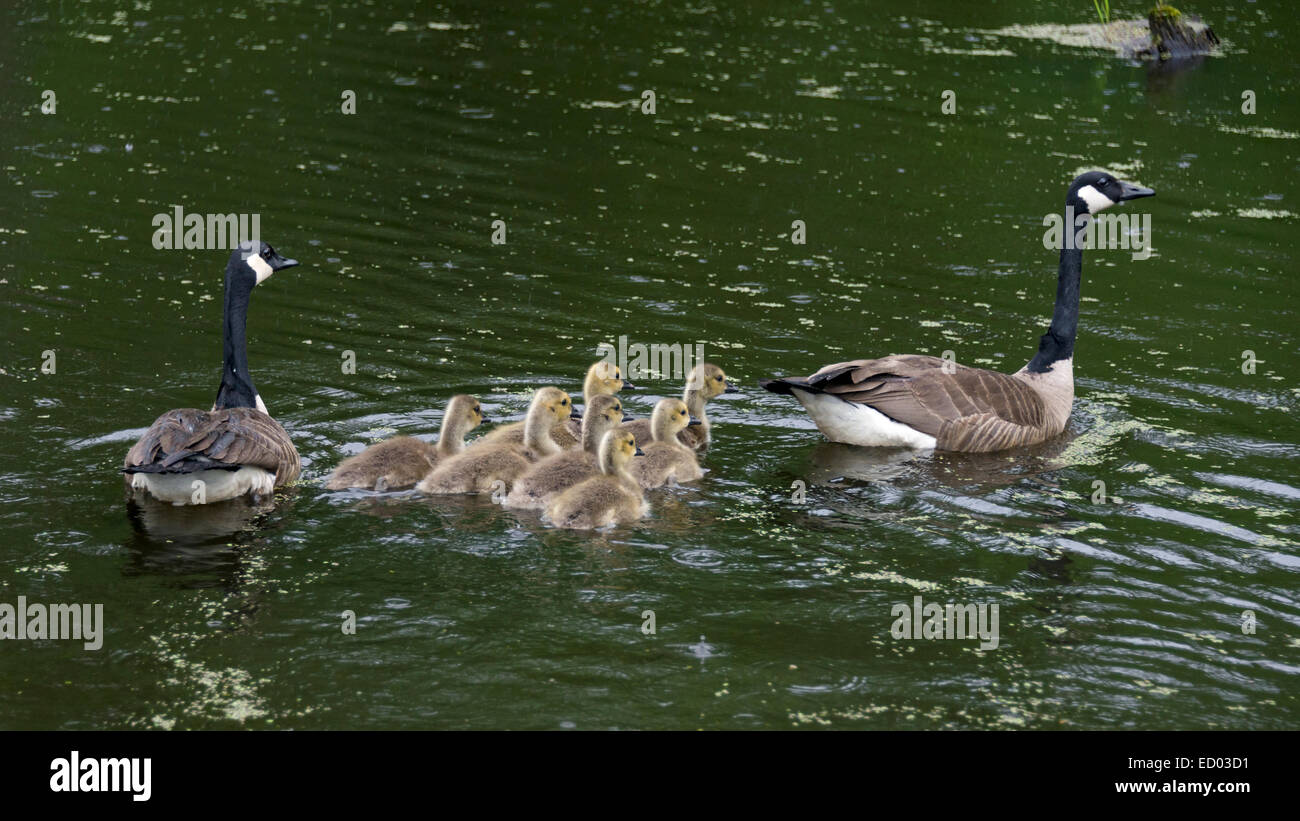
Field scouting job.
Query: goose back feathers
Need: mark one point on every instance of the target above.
(959, 408)
(188, 440)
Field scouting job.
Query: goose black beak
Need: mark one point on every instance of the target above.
(485, 421)
(639, 452)
(731, 389)
(628, 386)
(1134, 192)
(694, 421)
(575, 414)
(627, 417)
(277, 262)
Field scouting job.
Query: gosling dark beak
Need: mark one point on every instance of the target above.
(694, 421)
(627, 417)
(485, 421)
(628, 386)
(639, 452)
(731, 389)
(575, 414)
(1134, 192)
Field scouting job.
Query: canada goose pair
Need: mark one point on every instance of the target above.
(925, 402)
(189, 456)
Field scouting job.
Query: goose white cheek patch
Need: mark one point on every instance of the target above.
(260, 267)
(1096, 200)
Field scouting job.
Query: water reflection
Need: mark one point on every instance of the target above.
(207, 545)
(1165, 76)
(834, 463)
(165, 524)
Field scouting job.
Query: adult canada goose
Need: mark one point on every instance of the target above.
(612, 497)
(400, 462)
(603, 379)
(483, 464)
(666, 458)
(189, 456)
(915, 401)
(554, 474)
(704, 382)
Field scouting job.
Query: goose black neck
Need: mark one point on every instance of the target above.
(236, 389)
(1058, 343)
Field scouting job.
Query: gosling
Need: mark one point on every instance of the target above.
(603, 379)
(610, 498)
(666, 458)
(399, 463)
(551, 476)
(492, 466)
(704, 382)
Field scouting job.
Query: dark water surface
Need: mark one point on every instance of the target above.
(924, 235)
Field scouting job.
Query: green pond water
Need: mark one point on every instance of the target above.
(924, 234)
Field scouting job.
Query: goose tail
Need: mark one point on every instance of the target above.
(785, 385)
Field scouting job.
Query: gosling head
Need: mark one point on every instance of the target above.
(253, 263)
(554, 403)
(466, 411)
(616, 449)
(709, 380)
(1096, 191)
(603, 378)
(670, 417)
(603, 413)
(608, 409)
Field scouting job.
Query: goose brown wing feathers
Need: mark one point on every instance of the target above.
(186, 440)
(967, 409)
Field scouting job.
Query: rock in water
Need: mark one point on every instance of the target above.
(1173, 35)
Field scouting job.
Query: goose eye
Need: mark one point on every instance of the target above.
(564, 401)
